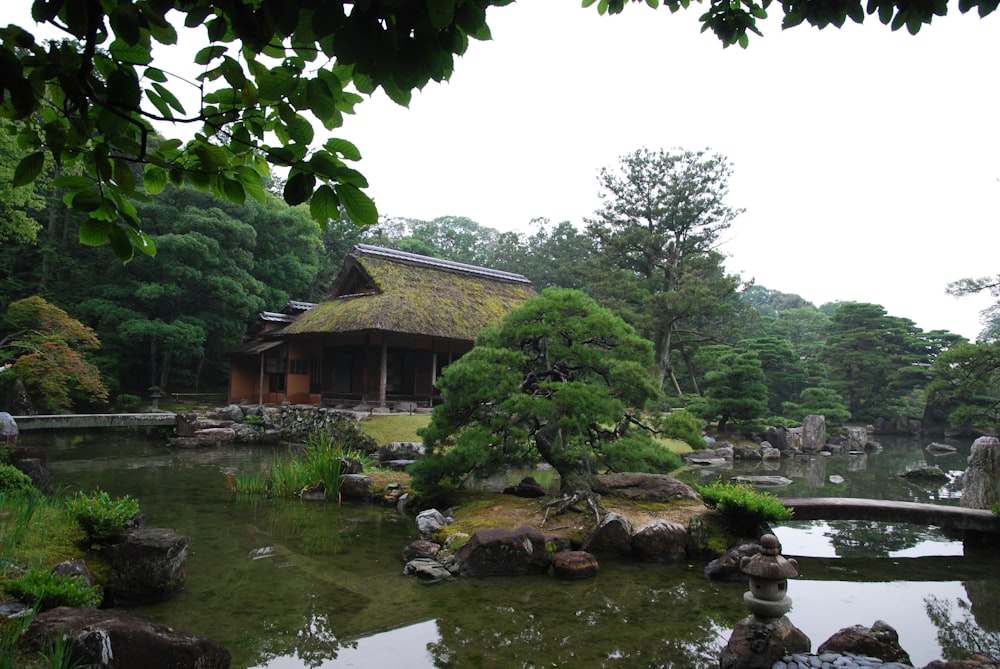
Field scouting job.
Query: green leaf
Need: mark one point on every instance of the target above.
(441, 13)
(28, 169)
(343, 148)
(358, 206)
(120, 244)
(324, 205)
(154, 74)
(233, 191)
(142, 241)
(299, 187)
(208, 54)
(169, 97)
(72, 183)
(94, 233)
(154, 179)
(139, 53)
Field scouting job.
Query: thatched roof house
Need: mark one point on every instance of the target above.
(381, 336)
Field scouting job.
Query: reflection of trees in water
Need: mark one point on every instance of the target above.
(962, 637)
(864, 539)
(614, 624)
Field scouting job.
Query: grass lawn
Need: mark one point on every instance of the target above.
(394, 427)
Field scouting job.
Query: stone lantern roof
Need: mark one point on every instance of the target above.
(769, 563)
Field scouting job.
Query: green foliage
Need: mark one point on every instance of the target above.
(128, 403)
(42, 589)
(684, 425)
(820, 402)
(18, 508)
(734, 389)
(742, 507)
(563, 372)
(663, 213)
(52, 350)
(319, 465)
(14, 482)
(966, 384)
(11, 630)
(101, 517)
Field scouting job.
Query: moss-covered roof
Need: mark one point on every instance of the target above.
(390, 291)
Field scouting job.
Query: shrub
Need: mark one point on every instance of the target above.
(42, 589)
(128, 403)
(684, 425)
(15, 482)
(101, 517)
(742, 507)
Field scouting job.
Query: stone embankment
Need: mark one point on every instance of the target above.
(835, 661)
(250, 424)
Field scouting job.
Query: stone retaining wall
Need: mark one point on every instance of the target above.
(268, 424)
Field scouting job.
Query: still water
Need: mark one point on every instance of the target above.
(288, 584)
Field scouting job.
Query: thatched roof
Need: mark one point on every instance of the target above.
(392, 291)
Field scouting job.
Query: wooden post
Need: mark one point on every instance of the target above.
(382, 372)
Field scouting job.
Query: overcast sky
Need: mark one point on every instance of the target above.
(868, 162)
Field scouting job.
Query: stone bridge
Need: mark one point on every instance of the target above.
(884, 511)
(85, 421)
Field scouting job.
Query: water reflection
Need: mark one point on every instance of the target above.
(286, 584)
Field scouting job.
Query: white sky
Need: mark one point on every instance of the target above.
(868, 161)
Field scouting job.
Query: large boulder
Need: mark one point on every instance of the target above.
(501, 552)
(430, 522)
(813, 432)
(147, 566)
(574, 565)
(758, 644)
(727, 567)
(660, 541)
(981, 483)
(110, 639)
(777, 437)
(612, 540)
(857, 437)
(880, 640)
(356, 487)
(654, 487)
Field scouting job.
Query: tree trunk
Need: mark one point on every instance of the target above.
(577, 482)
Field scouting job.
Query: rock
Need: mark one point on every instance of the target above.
(247, 434)
(40, 475)
(937, 448)
(215, 436)
(421, 548)
(147, 566)
(528, 488)
(427, 570)
(612, 540)
(429, 522)
(654, 487)
(396, 465)
(504, 552)
(660, 541)
(8, 429)
(762, 480)
(836, 479)
(928, 474)
(813, 432)
(109, 639)
(726, 452)
(727, 567)
(767, 452)
(574, 565)
(357, 487)
(233, 412)
(777, 437)
(76, 568)
(856, 437)
(755, 644)
(400, 450)
(880, 640)
(744, 452)
(698, 461)
(981, 483)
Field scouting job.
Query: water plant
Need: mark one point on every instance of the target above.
(42, 589)
(101, 517)
(742, 507)
(317, 466)
(11, 629)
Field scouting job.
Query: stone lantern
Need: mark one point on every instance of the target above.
(769, 573)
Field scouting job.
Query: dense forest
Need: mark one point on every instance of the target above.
(83, 330)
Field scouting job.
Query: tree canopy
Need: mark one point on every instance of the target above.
(565, 378)
(271, 74)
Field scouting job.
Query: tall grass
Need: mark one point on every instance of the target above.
(319, 465)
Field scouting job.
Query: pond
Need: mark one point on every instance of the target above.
(289, 584)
